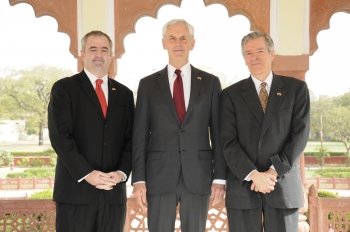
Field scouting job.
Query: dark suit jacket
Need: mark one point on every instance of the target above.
(252, 140)
(162, 146)
(84, 141)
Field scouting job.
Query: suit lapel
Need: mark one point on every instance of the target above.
(163, 82)
(276, 96)
(89, 90)
(196, 84)
(251, 98)
(112, 97)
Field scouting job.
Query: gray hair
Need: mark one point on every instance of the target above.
(175, 21)
(255, 35)
(95, 33)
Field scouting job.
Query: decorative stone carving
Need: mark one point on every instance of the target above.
(128, 12)
(258, 12)
(64, 11)
(320, 13)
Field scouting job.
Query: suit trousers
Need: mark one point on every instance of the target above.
(96, 217)
(274, 219)
(193, 210)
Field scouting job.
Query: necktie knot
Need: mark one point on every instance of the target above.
(99, 82)
(178, 72)
(263, 85)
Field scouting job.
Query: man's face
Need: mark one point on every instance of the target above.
(97, 55)
(258, 58)
(178, 42)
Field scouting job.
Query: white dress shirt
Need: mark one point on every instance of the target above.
(186, 81)
(104, 87)
(257, 84)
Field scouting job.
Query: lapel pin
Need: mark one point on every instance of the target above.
(113, 89)
(279, 94)
(199, 78)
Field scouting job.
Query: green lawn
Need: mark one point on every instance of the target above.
(332, 146)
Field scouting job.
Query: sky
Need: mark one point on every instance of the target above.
(27, 41)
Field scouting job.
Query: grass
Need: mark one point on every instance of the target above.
(332, 146)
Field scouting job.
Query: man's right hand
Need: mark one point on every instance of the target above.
(262, 182)
(139, 192)
(94, 178)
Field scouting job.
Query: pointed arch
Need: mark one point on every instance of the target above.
(65, 13)
(321, 12)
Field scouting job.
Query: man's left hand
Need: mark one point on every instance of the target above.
(114, 177)
(217, 193)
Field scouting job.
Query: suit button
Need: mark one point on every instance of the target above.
(179, 151)
(106, 126)
(182, 129)
(105, 143)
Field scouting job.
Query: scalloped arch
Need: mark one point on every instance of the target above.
(259, 17)
(65, 13)
(321, 12)
(127, 13)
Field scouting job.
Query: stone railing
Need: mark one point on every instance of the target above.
(328, 214)
(46, 183)
(39, 215)
(328, 183)
(26, 183)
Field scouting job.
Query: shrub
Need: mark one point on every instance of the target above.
(326, 194)
(46, 194)
(5, 158)
(27, 153)
(33, 172)
(334, 172)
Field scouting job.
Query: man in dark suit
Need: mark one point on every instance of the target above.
(90, 127)
(264, 127)
(176, 146)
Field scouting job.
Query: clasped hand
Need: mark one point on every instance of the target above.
(263, 182)
(104, 181)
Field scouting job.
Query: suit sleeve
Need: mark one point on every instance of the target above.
(219, 160)
(140, 135)
(237, 160)
(300, 128)
(60, 123)
(124, 163)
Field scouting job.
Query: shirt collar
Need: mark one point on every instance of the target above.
(93, 78)
(268, 81)
(185, 70)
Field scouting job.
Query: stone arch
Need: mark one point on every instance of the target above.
(129, 14)
(65, 13)
(321, 12)
(259, 17)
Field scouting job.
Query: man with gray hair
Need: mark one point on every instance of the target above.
(264, 127)
(177, 156)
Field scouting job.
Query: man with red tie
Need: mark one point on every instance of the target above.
(90, 126)
(177, 157)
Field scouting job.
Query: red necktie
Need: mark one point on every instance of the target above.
(101, 96)
(178, 96)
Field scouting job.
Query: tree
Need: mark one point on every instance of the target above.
(28, 91)
(320, 121)
(341, 121)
